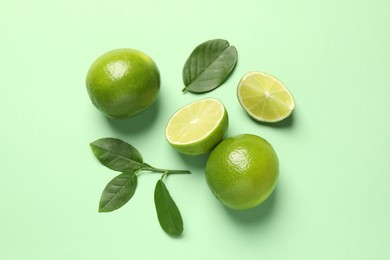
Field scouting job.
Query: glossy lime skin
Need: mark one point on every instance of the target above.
(242, 171)
(123, 83)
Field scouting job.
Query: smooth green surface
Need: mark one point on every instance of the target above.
(332, 198)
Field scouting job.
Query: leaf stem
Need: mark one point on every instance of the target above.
(150, 168)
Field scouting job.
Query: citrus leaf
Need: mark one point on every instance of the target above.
(167, 212)
(209, 65)
(117, 154)
(118, 192)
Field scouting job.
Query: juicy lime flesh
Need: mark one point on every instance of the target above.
(123, 83)
(242, 171)
(197, 127)
(264, 97)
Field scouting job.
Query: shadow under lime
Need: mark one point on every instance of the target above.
(138, 123)
(260, 213)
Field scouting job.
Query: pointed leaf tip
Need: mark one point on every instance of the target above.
(118, 192)
(117, 154)
(167, 212)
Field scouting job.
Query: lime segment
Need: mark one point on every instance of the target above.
(197, 127)
(264, 97)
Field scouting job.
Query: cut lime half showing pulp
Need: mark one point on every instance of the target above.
(264, 97)
(197, 127)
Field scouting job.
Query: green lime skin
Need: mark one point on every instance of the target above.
(242, 171)
(123, 83)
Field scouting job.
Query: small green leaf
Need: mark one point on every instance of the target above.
(167, 212)
(118, 192)
(209, 65)
(117, 154)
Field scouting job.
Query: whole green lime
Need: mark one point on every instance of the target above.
(242, 171)
(123, 83)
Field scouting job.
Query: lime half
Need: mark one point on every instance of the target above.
(264, 97)
(198, 127)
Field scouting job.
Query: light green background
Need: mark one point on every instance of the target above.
(332, 199)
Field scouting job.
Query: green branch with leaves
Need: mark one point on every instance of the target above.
(120, 156)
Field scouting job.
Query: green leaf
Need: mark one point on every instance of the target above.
(118, 192)
(117, 154)
(209, 65)
(167, 212)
